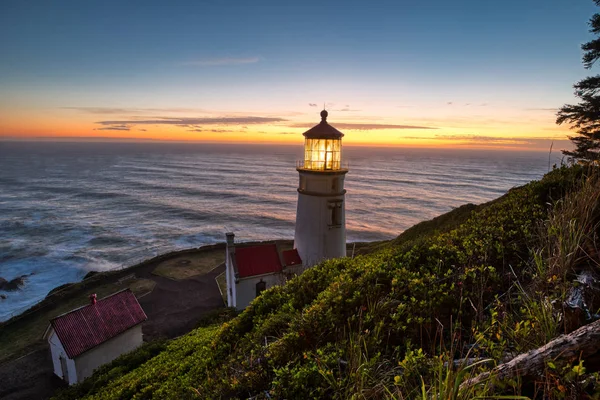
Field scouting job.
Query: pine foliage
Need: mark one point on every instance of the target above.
(584, 117)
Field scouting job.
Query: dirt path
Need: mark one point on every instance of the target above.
(28, 377)
(173, 308)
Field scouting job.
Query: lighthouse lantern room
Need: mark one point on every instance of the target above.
(320, 217)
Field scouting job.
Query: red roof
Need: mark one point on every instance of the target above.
(257, 260)
(291, 257)
(85, 328)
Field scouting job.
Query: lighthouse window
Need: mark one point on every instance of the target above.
(322, 154)
(335, 213)
(335, 185)
(302, 183)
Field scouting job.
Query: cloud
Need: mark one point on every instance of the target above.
(118, 110)
(345, 108)
(208, 130)
(190, 122)
(483, 139)
(212, 62)
(364, 127)
(98, 139)
(88, 138)
(313, 105)
(101, 110)
(530, 143)
(542, 109)
(114, 127)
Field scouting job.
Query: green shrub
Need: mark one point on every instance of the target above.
(376, 326)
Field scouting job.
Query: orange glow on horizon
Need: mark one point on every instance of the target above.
(531, 134)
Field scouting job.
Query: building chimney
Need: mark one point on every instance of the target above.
(93, 298)
(230, 241)
(230, 236)
(229, 249)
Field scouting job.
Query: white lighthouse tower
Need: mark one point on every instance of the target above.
(320, 217)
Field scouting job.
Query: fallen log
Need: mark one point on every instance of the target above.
(581, 343)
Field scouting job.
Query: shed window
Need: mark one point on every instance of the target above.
(260, 286)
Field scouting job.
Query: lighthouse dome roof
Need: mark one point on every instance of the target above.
(323, 130)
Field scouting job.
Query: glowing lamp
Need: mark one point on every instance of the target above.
(322, 147)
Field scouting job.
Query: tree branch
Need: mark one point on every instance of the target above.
(581, 343)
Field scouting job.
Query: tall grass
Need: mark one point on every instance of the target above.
(568, 238)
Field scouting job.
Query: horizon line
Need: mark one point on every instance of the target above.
(108, 139)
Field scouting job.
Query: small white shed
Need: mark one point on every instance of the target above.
(86, 338)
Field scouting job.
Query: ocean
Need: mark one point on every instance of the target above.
(67, 208)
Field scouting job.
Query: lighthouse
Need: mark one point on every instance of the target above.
(320, 216)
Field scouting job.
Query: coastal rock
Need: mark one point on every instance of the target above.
(2, 297)
(90, 274)
(14, 284)
(58, 289)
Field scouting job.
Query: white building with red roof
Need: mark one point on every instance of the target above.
(251, 269)
(86, 338)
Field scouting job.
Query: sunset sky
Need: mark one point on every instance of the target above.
(458, 73)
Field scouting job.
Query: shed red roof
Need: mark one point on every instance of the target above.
(291, 257)
(257, 260)
(85, 328)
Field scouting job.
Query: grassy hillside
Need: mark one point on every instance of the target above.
(481, 282)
